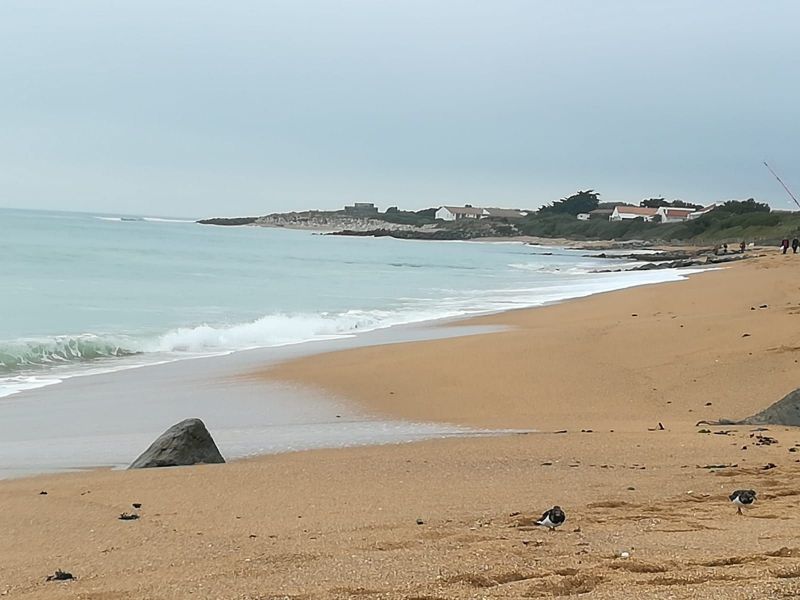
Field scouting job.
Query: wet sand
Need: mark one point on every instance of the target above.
(107, 419)
(453, 518)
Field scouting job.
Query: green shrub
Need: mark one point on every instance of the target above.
(720, 225)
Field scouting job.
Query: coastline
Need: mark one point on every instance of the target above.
(76, 423)
(582, 348)
(42, 354)
(453, 518)
(582, 244)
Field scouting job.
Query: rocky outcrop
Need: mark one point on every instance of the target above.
(653, 257)
(315, 220)
(432, 234)
(785, 412)
(233, 221)
(605, 245)
(183, 444)
(698, 261)
(466, 229)
(327, 221)
(670, 264)
(717, 260)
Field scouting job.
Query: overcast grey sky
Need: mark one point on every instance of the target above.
(199, 108)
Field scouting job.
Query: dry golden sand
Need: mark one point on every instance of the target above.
(343, 523)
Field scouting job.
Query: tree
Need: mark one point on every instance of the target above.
(582, 202)
(613, 205)
(740, 207)
(682, 204)
(659, 202)
(653, 203)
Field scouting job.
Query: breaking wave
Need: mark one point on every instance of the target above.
(286, 329)
(22, 354)
(32, 355)
(35, 362)
(271, 330)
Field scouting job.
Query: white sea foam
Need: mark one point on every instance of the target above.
(14, 385)
(286, 329)
(144, 219)
(161, 220)
(554, 269)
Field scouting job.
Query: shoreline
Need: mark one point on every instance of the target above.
(141, 353)
(192, 385)
(647, 509)
(76, 424)
(339, 373)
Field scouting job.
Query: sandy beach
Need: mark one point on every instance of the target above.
(647, 509)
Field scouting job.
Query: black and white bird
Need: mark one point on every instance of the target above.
(743, 499)
(552, 518)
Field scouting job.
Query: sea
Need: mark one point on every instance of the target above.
(96, 307)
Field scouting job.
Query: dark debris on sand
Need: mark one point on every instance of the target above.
(763, 440)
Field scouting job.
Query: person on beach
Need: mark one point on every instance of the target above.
(742, 246)
(725, 248)
(785, 244)
(795, 245)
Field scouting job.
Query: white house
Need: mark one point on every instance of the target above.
(456, 213)
(584, 216)
(703, 211)
(624, 213)
(674, 215)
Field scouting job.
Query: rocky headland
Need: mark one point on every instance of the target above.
(315, 220)
(398, 224)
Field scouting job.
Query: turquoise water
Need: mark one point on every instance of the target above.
(86, 293)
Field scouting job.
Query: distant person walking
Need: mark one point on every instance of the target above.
(785, 244)
(725, 248)
(795, 245)
(742, 246)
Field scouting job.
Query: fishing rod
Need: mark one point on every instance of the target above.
(788, 191)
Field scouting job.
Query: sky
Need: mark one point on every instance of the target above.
(196, 108)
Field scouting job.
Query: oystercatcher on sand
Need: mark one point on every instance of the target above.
(552, 518)
(743, 499)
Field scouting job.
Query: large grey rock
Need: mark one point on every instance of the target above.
(186, 443)
(785, 411)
